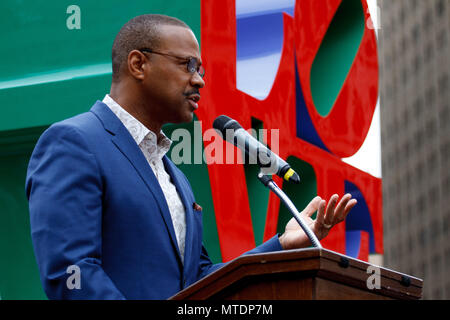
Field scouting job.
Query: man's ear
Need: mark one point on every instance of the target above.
(137, 62)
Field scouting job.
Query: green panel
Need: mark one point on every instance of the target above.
(198, 177)
(258, 194)
(336, 55)
(19, 276)
(38, 50)
(50, 73)
(46, 103)
(300, 194)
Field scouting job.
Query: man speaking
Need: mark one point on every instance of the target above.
(106, 202)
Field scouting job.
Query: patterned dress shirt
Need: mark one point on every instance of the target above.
(154, 152)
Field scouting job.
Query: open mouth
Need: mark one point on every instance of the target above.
(193, 100)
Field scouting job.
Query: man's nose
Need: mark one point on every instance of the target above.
(197, 80)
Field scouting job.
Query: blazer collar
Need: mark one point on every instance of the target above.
(181, 188)
(110, 122)
(126, 144)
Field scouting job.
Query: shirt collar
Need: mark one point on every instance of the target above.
(138, 131)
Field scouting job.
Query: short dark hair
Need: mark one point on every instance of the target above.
(140, 32)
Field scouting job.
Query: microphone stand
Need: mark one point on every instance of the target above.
(269, 183)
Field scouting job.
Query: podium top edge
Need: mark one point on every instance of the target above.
(319, 260)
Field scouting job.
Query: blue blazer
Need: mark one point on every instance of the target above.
(95, 203)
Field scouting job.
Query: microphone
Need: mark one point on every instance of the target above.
(269, 162)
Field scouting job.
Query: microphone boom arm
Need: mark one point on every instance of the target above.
(269, 183)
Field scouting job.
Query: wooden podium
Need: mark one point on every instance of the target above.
(310, 274)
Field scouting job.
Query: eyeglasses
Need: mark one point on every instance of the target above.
(192, 64)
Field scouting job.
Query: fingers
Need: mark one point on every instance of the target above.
(321, 212)
(349, 207)
(344, 206)
(312, 206)
(334, 213)
(329, 218)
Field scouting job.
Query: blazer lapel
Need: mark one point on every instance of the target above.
(170, 167)
(128, 147)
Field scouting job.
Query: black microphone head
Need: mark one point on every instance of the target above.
(223, 123)
(295, 178)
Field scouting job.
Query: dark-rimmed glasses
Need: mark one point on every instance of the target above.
(192, 63)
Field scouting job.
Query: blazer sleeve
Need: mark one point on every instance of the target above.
(64, 190)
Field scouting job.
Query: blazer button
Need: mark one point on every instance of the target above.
(184, 282)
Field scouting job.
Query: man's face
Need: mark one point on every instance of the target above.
(170, 88)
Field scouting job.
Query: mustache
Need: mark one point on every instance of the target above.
(195, 91)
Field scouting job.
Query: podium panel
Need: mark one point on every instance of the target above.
(306, 274)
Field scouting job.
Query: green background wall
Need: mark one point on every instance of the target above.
(49, 73)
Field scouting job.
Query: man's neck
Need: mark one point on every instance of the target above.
(134, 106)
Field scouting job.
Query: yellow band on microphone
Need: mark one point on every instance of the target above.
(289, 174)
